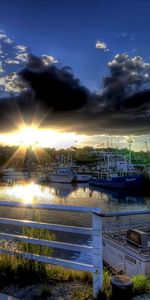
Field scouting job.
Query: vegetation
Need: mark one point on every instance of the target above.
(141, 284)
(17, 271)
(85, 155)
(107, 289)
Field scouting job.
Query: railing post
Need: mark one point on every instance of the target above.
(97, 254)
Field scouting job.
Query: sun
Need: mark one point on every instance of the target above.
(28, 136)
(34, 137)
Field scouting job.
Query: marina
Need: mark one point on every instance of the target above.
(80, 194)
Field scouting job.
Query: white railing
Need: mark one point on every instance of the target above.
(96, 232)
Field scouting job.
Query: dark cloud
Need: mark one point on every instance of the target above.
(138, 101)
(54, 88)
(58, 100)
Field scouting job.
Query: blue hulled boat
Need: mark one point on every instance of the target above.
(121, 182)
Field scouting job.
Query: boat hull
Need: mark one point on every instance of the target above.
(125, 182)
(81, 178)
(60, 178)
(15, 175)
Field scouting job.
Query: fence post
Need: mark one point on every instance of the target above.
(97, 254)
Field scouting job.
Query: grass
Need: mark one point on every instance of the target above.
(107, 289)
(60, 274)
(13, 268)
(17, 271)
(141, 284)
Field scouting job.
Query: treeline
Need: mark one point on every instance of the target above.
(19, 157)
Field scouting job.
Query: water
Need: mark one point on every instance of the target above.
(67, 194)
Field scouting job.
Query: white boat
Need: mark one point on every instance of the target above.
(11, 174)
(125, 255)
(81, 177)
(61, 174)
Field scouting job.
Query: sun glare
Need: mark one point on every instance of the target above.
(29, 193)
(32, 136)
(25, 193)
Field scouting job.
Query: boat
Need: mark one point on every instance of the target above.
(13, 175)
(129, 182)
(67, 175)
(128, 252)
(81, 177)
(62, 175)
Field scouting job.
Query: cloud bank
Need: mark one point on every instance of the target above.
(55, 98)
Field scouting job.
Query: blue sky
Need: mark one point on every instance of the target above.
(68, 30)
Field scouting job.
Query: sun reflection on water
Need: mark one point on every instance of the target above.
(28, 193)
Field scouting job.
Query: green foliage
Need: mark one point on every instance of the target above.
(107, 289)
(36, 233)
(58, 273)
(141, 284)
(30, 265)
(85, 155)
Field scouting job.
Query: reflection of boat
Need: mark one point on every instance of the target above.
(121, 182)
(64, 175)
(60, 189)
(122, 196)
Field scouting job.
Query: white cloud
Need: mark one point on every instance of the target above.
(22, 57)
(1, 69)
(146, 75)
(3, 36)
(14, 56)
(12, 83)
(12, 61)
(101, 46)
(21, 48)
(48, 59)
(8, 41)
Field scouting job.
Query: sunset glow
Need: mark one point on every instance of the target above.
(32, 136)
(28, 193)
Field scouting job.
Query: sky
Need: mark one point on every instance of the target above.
(106, 47)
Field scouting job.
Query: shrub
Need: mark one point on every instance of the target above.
(107, 289)
(141, 284)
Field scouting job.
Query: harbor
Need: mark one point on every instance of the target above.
(80, 194)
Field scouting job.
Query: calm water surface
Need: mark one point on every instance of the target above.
(67, 194)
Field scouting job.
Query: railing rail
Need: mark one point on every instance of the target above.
(96, 232)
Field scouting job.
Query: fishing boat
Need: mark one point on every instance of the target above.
(129, 182)
(11, 174)
(67, 175)
(62, 175)
(81, 177)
